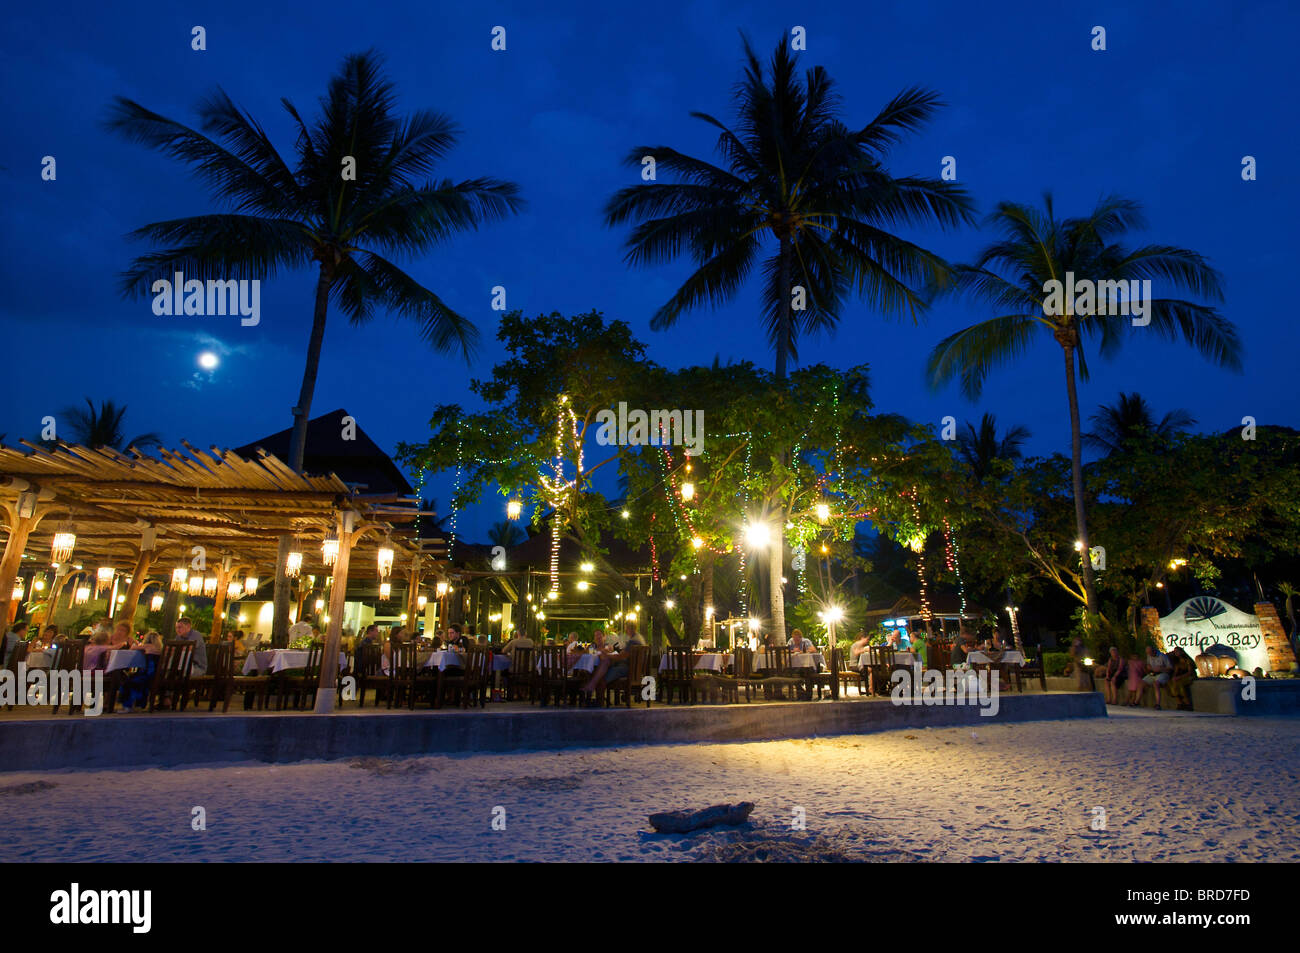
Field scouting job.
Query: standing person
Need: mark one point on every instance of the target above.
(185, 630)
(301, 629)
(1135, 668)
(1114, 674)
(1159, 670)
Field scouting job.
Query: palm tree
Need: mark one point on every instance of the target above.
(312, 215)
(1131, 418)
(1011, 276)
(816, 192)
(103, 427)
(815, 189)
(979, 448)
(505, 533)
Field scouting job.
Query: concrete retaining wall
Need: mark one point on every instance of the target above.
(127, 741)
(1224, 696)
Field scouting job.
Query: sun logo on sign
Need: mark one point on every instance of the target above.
(1202, 608)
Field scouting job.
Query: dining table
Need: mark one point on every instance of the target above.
(1009, 657)
(704, 662)
(275, 661)
(797, 660)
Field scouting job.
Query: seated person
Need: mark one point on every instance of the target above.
(1114, 673)
(860, 646)
(612, 665)
(798, 643)
(959, 647)
(1159, 669)
(455, 639)
(1180, 682)
(121, 638)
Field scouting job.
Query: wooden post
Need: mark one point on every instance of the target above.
(412, 592)
(219, 603)
(280, 594)
(127, 612)
(20, 527)
(329, 663)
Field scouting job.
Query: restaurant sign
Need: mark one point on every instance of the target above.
(1203, 622)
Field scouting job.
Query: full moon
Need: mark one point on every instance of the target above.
(208, 360)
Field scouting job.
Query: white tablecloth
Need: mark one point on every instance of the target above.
(40, 659)
(586, 662)
(275, 661)
(797, 660)
(444, 659)
(1008, 658)
(900, 658)
(120, 659)
(710, 662)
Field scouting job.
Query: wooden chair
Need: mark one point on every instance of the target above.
(1033, 668)
(11, 666)
(521, 677)
(880, 668)
(68, 658)
(218, 683)
(256, 689)
(368, 670)
(830, 680)
(478, 676)
(852, 672)
(777, 675)
(172, 675)
(553, 676)
(302, 685)
(679, 676)
(403, 671)
(938, 654)
(464, 679)
(638, 663)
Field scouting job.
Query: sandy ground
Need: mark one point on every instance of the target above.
(1173, 787)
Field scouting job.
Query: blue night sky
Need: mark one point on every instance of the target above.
(1164, 116)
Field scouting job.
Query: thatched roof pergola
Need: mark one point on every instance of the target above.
(140, 513)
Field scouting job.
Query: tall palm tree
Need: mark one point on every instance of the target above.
(812, 195)
(1131, 418)
(979, 448)
(801, 182)
(103, 427)
(310, 215)
(358, 191)
(1011, 277)
(505, 533)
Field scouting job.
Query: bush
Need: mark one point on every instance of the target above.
(1055, 663)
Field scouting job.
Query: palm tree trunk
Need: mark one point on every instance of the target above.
(776, 552)
(706, 590)
(1076, 475)
(297, 449)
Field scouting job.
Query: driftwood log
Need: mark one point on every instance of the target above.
(683, 822)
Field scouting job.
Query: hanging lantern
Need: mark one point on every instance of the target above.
(385, 590)
(179, 576)
(688, 491)
(18, 590)
(210, 586)
(195, 586)
(385, 561)
(81, 596)
(421, 601)
(293, 565)
(250, 585)
(513, 509)
(156, 602)
(234, 589)
(61, 546)
(104, 578)
(329, 550)
(320, 604)
(442, 589)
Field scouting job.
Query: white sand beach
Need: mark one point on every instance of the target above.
(1174, 787)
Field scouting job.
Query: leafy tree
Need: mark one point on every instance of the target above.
(1012, 276)
(505, 533)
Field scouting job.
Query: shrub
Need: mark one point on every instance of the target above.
(1055, 663)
